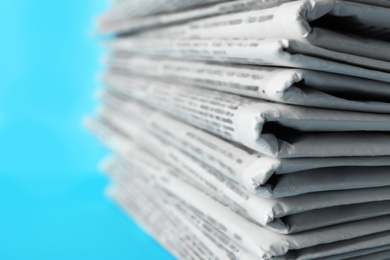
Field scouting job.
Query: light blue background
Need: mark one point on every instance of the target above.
(52, 204)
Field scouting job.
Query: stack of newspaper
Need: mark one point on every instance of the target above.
(251, 129)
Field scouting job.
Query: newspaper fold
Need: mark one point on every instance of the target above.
(277, 130)
(142, 8)
(126, 25)
(166, 232)
(151, 191)
(339, 26)
(130, 21)
(288, 215)
(260, 174)
(212, 241)
(269, 52)
(257, 240)
(178, 229)
(292, 86)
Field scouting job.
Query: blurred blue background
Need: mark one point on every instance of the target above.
(52, 204)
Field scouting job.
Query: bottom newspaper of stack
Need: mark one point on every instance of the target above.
(183, 195)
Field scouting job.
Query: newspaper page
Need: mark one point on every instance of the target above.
(281, 215)
(335, 178)
(135, 24)
(268, 52)
(213, 241)
(308, 253)
(155, 223)
(141, 8)
(303, 181)
(254, 238)
(291, 86)
(111, 25)
(340, 26)
(303, 254)
(166, 232)
(255, 171)
(278, 130)
(219, 238)
(198, 243)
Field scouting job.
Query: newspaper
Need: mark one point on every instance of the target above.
(156, 223)
(282, 215)
(302, 254)
(235, 251)
(184, 232)
(334, 178)
(269, 52)
(340, 26)
(135, 24)
(257, 172)
(365, 252)
(142, 8)
(256, 239)
(277, 130)
(166, 231)
(211, 240)
(292, 86)
(208, 243)
(110, 24)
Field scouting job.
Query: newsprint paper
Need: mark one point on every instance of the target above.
(260, 168)
(288, 215)
(335, 36)
(283, 85)
(274, 129)
(332, 240)
(260, 174)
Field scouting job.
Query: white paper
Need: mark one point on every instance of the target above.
(256, 239)
(252, 170)
(290, 215)
(277, 130)
(142, 8)
(269, 52)
(132, 24)
(340, 26)
(291, 86)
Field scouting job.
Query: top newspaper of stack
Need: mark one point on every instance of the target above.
(141, 14)
(335, 36)
(133, 10)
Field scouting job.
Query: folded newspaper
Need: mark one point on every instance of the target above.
(208, 240)
(334, 36)
(260, 174)
(274, 129)
(289, 215)
(126, 197)
(339, 26)
(269, 51)
(250, 129)
(142, 8)
(136, 192)
(256, 239)
(291, 86)
(111, 25)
